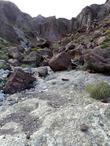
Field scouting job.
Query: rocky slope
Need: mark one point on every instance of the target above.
(13, 21)
(10, 19)
(40, 106)
(56, 113)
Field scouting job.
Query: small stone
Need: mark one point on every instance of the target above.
(84, 128)
(42, 71)
(64, 79)
(28, 136)
(4, 137)
(104, 101)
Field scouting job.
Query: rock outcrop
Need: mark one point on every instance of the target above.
(92, 14)
(11, 16)
(49, 28)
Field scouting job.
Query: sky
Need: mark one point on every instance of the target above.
(59, 8)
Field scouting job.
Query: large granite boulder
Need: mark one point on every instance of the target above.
(18, 81)
(60, 62)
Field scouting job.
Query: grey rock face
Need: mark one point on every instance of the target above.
(10, 16)
(91, 14)
(49, 28)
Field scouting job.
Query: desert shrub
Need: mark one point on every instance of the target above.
(107, 39)
(28, 65)
(55, 45)
(36, 49)
(24, 65)
(2, 66)
(3, 54)
(105, 43)
(3, 49)
(107, 31)
(100, 90)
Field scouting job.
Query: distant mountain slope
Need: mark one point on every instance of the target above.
(13, 22)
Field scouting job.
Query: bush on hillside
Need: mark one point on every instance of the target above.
(100, 90)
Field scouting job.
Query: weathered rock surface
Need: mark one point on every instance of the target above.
(14, 62)
(42, 71)
(98, 60)
(33, 58)
(10, 16)
(91, 14)
(45, 53)
(53, 114)
(18, 81)
(60, 62)
(14, 53)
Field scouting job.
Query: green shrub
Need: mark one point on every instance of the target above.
(36, 49)
(3, 49)
(107, 31)
(2, 66)
(28, 65)
(55, 45)
(100, 90)
(3, 54)
(105, 43)
(107, 39)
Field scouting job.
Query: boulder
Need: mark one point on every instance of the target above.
(60, 62)
(18, 81)
(77, 50)
(33, 58)
(98, 60)
(45, 62)
(70, 46)
(43, 44)
(14, 62)
(14, 52)
(42, 71)
(45, 53)
(100, 40)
